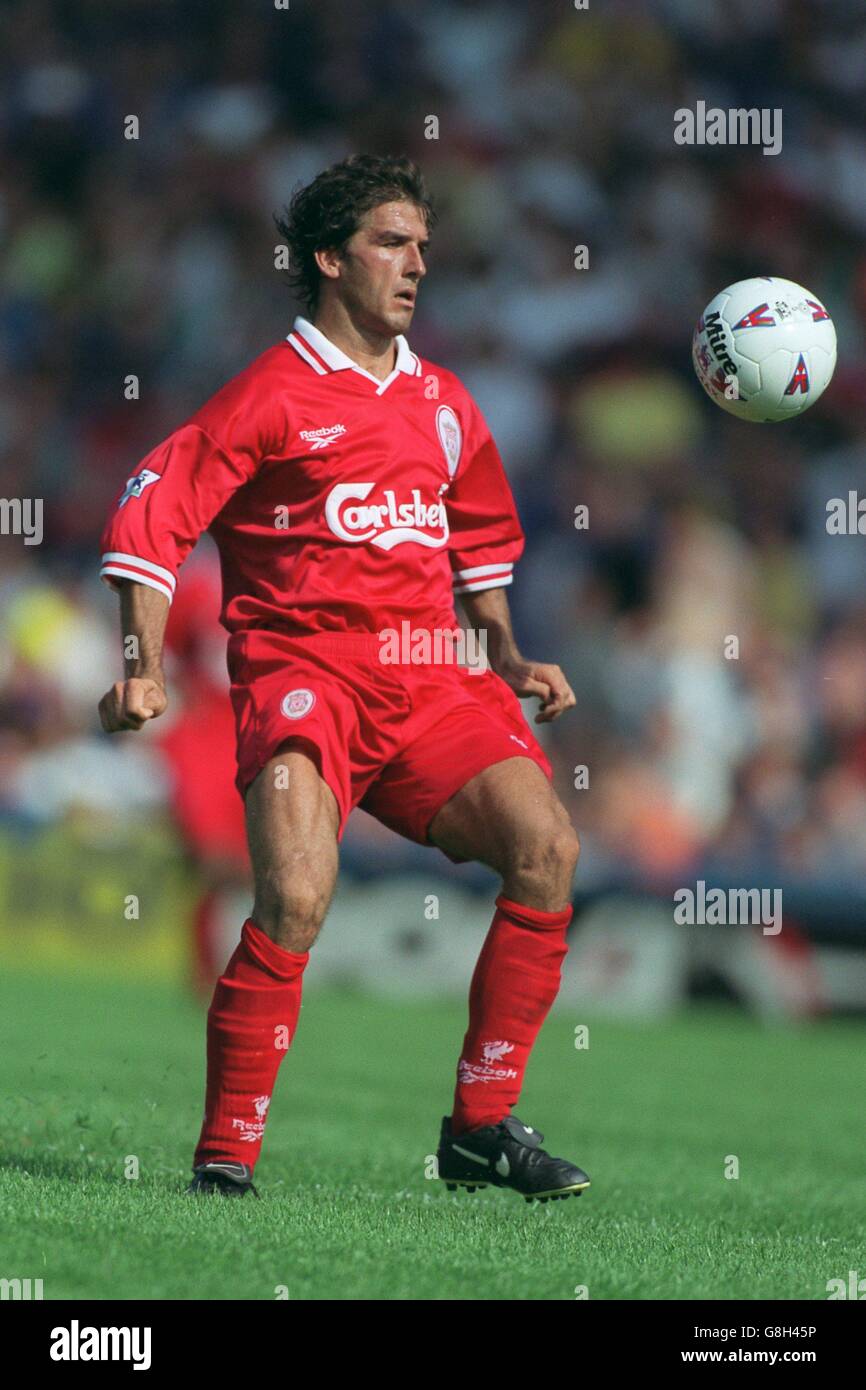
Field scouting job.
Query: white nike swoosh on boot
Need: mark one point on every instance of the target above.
(476, 1158)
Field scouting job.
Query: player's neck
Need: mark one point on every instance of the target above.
(376, 353)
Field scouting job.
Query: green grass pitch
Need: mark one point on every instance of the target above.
(96, 1072)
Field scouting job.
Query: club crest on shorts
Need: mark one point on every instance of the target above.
(450, 437)
(297, 703)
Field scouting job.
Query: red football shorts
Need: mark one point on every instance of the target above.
(397, 739)
(198, 748)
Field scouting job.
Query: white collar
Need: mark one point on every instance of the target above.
(331, 358)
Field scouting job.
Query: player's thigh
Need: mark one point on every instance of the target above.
(292, 828)
(506, 813)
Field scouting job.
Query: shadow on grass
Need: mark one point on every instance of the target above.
(167, 1182)
(42, 1165)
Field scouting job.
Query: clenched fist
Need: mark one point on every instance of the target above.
(539, 678)
(130, 704)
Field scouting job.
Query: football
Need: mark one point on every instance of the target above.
(764, 349)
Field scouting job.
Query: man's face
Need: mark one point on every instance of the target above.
(381, 267)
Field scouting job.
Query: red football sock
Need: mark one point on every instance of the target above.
(514, 984)
(250, 1024)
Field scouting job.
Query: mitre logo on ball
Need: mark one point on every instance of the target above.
(764, 349)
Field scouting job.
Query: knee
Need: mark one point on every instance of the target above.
(545, 861)
(560, 851)
(290, 911)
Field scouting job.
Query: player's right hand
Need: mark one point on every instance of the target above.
(131, 703)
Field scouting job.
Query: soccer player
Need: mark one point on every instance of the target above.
(198, 748)
(352, 489)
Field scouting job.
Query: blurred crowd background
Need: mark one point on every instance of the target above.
(155, 257)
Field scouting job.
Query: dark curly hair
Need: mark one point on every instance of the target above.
(328, 211)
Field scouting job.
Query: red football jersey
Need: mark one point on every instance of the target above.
(338, 502)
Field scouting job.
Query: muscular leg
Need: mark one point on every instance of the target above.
(509, 818)
(292, 823)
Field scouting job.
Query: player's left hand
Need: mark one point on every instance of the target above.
(539, 678)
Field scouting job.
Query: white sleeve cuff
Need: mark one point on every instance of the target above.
(482, 577)
(116, 565)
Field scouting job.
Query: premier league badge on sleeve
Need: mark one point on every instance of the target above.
(450, 437)
(135, 486)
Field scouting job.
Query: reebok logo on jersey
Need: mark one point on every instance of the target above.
(320, 439)
(387, 523)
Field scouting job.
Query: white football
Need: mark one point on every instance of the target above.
(764, 349)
